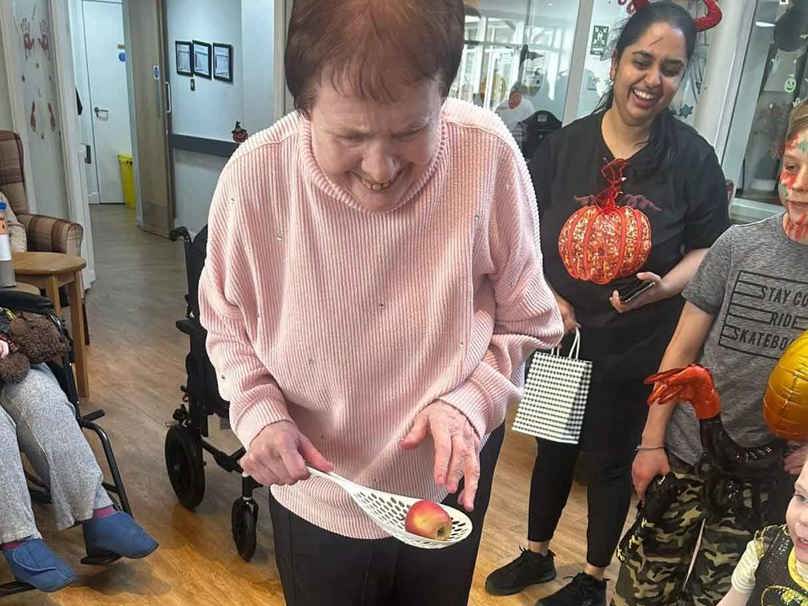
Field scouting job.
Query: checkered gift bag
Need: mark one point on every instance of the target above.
(555, 394)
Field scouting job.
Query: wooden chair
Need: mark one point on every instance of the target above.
(44, 233)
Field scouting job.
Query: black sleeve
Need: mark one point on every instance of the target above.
(707, 214)
(541, 173)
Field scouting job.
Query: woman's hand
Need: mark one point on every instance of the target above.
(457, 448)
(567, 313)
(648, 464)
(657, 292)
(795, 460)
(279, 454)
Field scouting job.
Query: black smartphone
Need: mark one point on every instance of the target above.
(633, 289)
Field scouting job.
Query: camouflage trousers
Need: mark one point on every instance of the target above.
(657, 551)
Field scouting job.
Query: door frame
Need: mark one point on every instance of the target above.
(580, 42)
(136, 110)
(282, 99)
(75, 180)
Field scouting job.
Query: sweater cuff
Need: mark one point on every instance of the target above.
(482, 401)
(255, 418)
(468, 403)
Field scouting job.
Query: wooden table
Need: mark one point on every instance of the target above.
(49, 271)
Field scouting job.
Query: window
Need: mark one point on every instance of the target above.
(517, 45)
(772, 82)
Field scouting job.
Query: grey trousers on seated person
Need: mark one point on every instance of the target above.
(37, 418)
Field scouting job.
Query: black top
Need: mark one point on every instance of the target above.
(686, 204)
(777, 581)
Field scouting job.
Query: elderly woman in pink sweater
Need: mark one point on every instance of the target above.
(372, 288)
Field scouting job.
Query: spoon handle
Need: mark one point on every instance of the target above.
(337, 479)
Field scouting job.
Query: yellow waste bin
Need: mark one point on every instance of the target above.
(127, 179)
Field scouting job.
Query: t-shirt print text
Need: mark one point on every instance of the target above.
(765, 313)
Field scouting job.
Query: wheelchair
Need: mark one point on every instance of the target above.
(186, 438)
(63, 372)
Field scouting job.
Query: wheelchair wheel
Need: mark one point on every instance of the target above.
(186, 469)
(244, 516)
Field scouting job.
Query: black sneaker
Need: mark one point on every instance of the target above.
(582, 590)
(528, 569)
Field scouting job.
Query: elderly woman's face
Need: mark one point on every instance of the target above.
(376, 150)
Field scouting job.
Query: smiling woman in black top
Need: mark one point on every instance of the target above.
(673, 177)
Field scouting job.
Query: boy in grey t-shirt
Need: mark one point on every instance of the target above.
(754, 282)
(746, 304)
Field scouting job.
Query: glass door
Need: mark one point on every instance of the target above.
(773, 80)
(517, 57)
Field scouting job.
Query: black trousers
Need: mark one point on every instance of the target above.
(320, 568)
(613, 424)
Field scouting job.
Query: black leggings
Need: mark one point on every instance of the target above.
(318, 567)
(613, 424)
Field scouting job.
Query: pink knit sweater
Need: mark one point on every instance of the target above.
(350, 322)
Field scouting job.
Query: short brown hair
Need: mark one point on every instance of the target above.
(359, 40)
(797, 120)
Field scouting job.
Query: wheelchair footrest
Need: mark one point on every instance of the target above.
(14, 587)
(100, 559)
(93, 416)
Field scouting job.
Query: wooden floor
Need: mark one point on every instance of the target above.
(136, 366)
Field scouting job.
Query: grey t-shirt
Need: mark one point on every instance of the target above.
(754, 280)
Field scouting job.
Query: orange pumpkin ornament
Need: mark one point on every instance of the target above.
(604, 241)
(785, 404)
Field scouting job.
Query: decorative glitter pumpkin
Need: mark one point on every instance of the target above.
(604, 241)
(785, 405)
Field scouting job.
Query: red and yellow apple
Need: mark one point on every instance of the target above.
(428, 519)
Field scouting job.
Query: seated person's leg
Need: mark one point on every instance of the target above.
(52, 440)
(16, 518)
(28, 557)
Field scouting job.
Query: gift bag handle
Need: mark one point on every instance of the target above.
(575, 348)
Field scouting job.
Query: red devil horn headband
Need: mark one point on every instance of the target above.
(711, 19)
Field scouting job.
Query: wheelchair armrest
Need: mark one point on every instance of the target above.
(191, 327)
(23, 301)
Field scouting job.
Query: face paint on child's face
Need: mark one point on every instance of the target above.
(793, 186)
(797, 517)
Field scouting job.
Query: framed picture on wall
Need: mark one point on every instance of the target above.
(183, 50)
(223, 62)
(201, 59)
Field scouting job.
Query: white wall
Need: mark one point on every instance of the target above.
(38, 90)
(212, 109)
(257, 31)
(195, 177)
(6, 122)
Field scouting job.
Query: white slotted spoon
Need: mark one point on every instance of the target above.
(389, 512)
